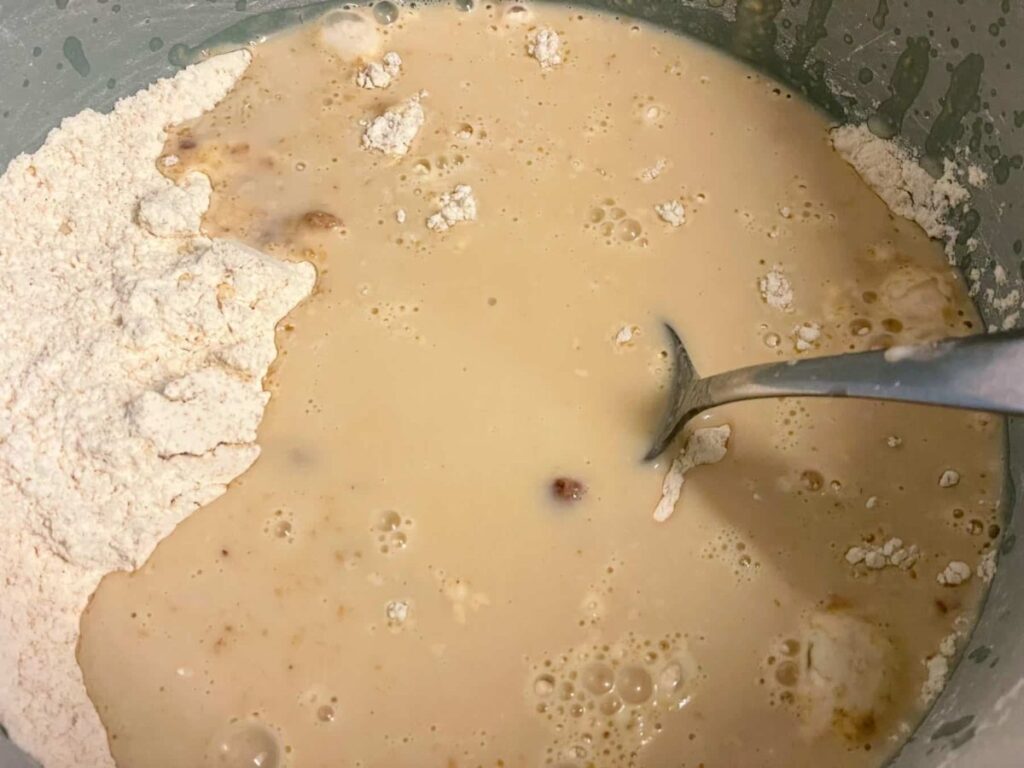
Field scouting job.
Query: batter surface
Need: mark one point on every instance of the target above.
(446, 554)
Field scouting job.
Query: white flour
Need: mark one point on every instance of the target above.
(938, 664)
(456, 206)
(392, 132)
(704, 446)
(954, 574)
(776, 290)
(671, 212)
(545, 47)
(890, 553)
(647, 175)
(380, 74)
(178, 210)
(397, 611)
(132, 353)
(806, 336)
(625, 336)
(896, 177)
(986, 568)
(977, 177)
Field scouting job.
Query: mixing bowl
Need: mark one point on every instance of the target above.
(946, 76)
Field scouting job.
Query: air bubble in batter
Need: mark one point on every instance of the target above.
(787, 674)
(245, 745)
(610, 705)
(389, 521)
(518, 13)
(629, 230)
(385, 12)
(544, 686)
(671, 680)
(860, 327)
(791, 646)
(634, 684)
(598, 678)
(812, 480)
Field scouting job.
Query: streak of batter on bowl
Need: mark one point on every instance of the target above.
(500, 227)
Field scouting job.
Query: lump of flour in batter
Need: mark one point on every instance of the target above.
(846, 676)
(176, 211)
(545, 46)
(889, 553)
(776, 290)
(705, 446)
(671, 212)
(380, 74)
(392, 132)
(806, 336)
(896, 177)
(456, 206)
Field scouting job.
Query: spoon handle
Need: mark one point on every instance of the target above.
(981, 373)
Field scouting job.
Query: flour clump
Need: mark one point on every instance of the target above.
(896, 177)
(954, 574)
(132, 354)
(806, 336)
(705, 446)
(890, 553)
(776, 290)
(456, 206)
(671, 212)
(380, 74)
(545, 47)
(393, 132)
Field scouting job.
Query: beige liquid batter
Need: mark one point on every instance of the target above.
(393, 584)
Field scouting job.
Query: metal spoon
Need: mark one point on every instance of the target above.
(979, 373)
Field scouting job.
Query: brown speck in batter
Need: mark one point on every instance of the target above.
(567, 489)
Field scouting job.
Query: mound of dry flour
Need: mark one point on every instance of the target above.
(896, 176)
(132, 353)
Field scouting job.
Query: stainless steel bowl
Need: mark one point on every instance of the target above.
(946, 76)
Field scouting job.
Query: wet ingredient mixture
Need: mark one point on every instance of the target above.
(448, 553)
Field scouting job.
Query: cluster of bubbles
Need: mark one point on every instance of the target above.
(810, 484)
(467, 131)
(250, 741)
(660, 366)
(604, 702)
(728, 547)
(973, 525)
(777, 226)
(442, 164)
(599, 120)
(391, 531)
(280, 525)
(613, 224)
(393, 316)
(594, 606)
(867, 322)
(322, 706)
(791, 420)
(782, 671)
